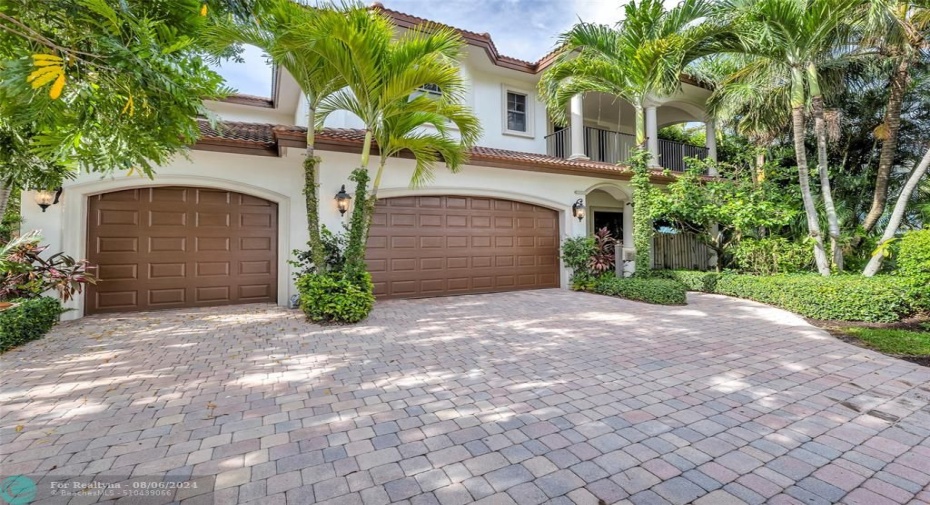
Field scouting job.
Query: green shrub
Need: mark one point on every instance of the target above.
(693, 280)
(576, 253)
(882, 298)
(774, 255)
(332, 297)
(29, 320)
(649, 290)
(913, 258)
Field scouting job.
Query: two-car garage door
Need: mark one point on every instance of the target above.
(172, 247)
(423, 246)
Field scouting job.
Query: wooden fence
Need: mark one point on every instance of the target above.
(680, 251)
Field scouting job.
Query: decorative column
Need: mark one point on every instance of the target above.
(628, 267)
(652, 135)
(576, 122)
(711, 141)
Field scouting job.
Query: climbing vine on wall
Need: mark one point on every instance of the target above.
(642, 221)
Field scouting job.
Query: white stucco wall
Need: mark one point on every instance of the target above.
(64, 226)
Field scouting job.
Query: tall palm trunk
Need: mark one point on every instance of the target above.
(813, 222)
(823, 168)
(898, 213)
(642, 221)
(892, 123)
(311, 194)
(640, 125)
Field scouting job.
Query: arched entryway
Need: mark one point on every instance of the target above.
(176, 246)
(438, 245)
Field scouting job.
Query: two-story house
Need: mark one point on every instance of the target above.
(219, 226)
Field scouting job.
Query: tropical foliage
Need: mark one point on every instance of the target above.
(102, 86)
(835, 89)
(722, 211)
(25, 273)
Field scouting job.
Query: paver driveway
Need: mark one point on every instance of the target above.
(527, 397)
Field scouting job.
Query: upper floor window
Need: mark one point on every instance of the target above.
(517, 112)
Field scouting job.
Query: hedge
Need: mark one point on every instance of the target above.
(331, 297)
(649, 290)
(880, 299)
(28, 321)
(913, 258)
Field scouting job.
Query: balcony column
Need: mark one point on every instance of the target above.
(628, 267)
(710, 130)
(576, 122)
(652, 135)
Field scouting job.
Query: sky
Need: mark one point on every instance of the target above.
(524, 29)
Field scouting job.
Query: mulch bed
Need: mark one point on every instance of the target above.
(836, 328)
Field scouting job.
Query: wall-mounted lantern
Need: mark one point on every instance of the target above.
(46, 199)
(578, 209)
(342, 200)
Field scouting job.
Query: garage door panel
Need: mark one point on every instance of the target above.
(169, 247)
(168, 195)
(117, 272)
(435, 245)
(167, 270)
(117, 299)
(169, 296)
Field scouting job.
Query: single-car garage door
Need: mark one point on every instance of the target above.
(171, 247)
(445, 245)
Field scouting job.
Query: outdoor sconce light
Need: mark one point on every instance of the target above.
(578, 209)
(342, 200)
(46, 199)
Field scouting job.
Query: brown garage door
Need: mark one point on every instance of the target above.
(444, 245)
(170, 247)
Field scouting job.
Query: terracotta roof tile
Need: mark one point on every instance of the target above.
(256, 133)
(265, 136)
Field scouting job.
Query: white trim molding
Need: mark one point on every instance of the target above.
(530, 111)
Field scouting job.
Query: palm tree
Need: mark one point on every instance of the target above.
(787, 40)
(895, 33)
(289, 33)
(382, 75)
(754, 108)
(639, 59)
(897, 214)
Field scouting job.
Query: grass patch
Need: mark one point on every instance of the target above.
(893, 340)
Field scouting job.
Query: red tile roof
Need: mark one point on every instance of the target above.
(269, 139)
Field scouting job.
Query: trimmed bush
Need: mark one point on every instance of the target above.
(649, 290)
(332, 297)
(29, 320)
(773, 255)
(692, 280)
(913, 258)
(881, 299)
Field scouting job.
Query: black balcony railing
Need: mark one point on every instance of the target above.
(672, 154)
(615, 147)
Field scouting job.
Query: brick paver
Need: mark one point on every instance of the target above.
(529, 397)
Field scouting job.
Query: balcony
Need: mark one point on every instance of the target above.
(614, 147)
